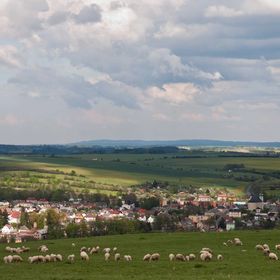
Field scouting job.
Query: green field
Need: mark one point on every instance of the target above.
(239, 262)
(112, 172)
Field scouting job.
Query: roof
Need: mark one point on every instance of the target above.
(15, 215)
(254, 199)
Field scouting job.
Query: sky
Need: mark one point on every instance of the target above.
(74, 70)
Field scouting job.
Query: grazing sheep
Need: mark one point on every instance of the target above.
(17, 258)
(259, 247)
(107, 256)
(106, 250)
(71, 258)
(187, 258)
(33, 259)
(155, 257)
(147, 257)
(25, 249)
(229, 242)
(127, 258)
(237, 242)
(206, 256)
(273, 256)
(192, 257)
(47, 258)
(115, 249)
(171, 257)
(53, 257)
(266, 252)
(84, 256)
(97, 248)
(117, 257)
(41, 259)
(207, 249)
(265, 246)
(220, 257)
(94, 250)
(180, 257)
(43, 249)
(8, 259)
(59, 258)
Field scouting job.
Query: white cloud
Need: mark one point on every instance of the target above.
(9, 56)
(222, 11)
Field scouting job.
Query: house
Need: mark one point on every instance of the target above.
(255, 202)
(230, 224)
(234, 213)
(14, 217)
(8, 230)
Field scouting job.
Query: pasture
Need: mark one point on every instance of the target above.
(112, 172)
(242, 262)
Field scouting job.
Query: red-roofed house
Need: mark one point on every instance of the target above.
(14, 217)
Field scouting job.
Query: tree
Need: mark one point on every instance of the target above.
(24, 218)
(55, 230)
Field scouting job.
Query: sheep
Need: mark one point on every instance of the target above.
(266, 252)
(117, 257)
(41, 259)
(71, 258)
(25, 249)
(83, 249)
(115, 249)
(53, 257)
(17, 258)
(207, 249)
(43, 249)
(48, 258)
(171, 257)
(59, 258)
(187, 258)
(8, 259)
(192, 257)
(147, 257)
(84, 256)
(106, 250)
(273, 256)
(265, 246)
(33, 259)
(73, 245)
(107, 256)
(259, 247)
(206, 256)
(180, 257)
(277, 247)
(220, 257)
(94, 250)
(127, 258)
(237, 242)
(155, 257)
(97, 248)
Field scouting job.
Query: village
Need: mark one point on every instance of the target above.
(210, 210)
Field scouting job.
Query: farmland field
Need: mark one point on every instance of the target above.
(239, 262)
(112, 172)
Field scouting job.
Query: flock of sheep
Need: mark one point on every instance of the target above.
(206, 254)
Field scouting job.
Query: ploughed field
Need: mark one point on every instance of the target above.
(112, 172)
(240, 262)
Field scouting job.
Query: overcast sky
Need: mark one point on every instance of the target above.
(139, 69)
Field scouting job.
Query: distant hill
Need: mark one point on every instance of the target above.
(174, 143)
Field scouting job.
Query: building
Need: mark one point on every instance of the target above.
(255, 202)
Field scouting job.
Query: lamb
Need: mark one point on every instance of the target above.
(259, 247)
(117, 257)
(107, 256)
(84, 256)
(273, 256)
(277, 247)
(192, 257)
(171, 257)
(71, 258)
(220, 257)
(180, 257)
(127, 258)
(147, 257)
(155, 257)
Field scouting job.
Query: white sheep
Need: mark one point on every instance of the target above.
(192, 257)
(207, 249)
(171, 257)
(17, 258)
(259, 247)
(147, 257)
(187, 258)
(59, 258)
(8, 259)
(106, 250)
(84, 256)
(47, 258)
(127, 258)
(273, 256)
(107, 256)
(220, 257)
(71, 258)
(83, 249)
(206, 256)
(53, 257)
(265, 246)
(117, 257)
(115, 249)
(266, 252)
(180, 257)
(155, 257)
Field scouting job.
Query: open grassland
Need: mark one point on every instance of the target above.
(114, 171)
(242, 262)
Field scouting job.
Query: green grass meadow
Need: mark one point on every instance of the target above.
(239, 262)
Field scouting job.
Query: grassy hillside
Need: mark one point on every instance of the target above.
(239, 262)
(113, 171)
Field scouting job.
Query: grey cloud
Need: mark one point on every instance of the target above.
(88, 14)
